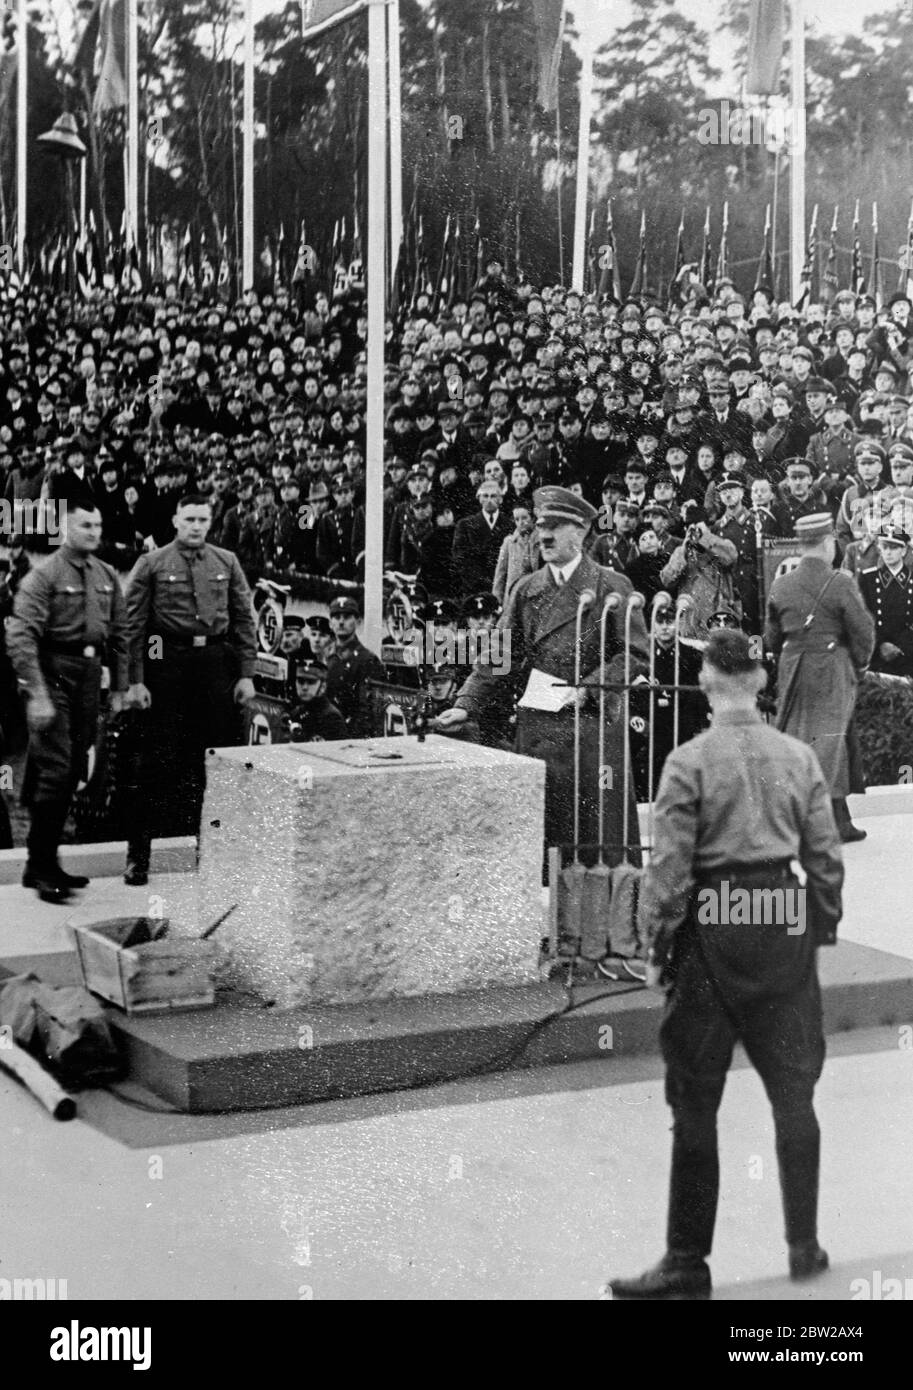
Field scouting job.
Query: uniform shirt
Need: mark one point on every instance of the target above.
(741, 793)
(73, 599)
(350, 666)
(182, 591)
(316, 721)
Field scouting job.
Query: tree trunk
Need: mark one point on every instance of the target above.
(505, 105)
(486, 87)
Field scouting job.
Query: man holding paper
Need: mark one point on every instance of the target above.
(541, 619)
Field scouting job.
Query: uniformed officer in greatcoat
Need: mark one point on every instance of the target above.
(67, 622)
(192, 648)
(732, 939)
(823, 634)
(887, 590)
(350, 666)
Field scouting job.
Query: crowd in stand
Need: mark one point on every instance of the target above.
(695, 429)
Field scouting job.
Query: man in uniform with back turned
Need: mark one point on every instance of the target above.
(823, 634)
(732, 939)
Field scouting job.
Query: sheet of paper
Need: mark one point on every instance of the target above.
(546, 693)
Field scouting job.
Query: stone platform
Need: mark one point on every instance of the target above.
(240, 1057)
(373, 869)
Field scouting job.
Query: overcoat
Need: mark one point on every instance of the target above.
(541, 620)
(819, 660)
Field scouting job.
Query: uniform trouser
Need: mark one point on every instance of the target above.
(192, 709)
(782, 1035)
(58, 755)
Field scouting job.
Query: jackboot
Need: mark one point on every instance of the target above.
(136, 873)
(42, 871)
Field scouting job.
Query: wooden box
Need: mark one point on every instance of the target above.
(151, 977)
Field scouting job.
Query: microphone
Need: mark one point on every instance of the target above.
(587, 598)
(635, 600)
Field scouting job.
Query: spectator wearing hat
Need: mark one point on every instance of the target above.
(786, 437)
(887, 591)
(612, 541)
(451, 442)
(543, 456)
(285, 544)
(418, 484)
(900, 465)
(336, 532)
(737, 525)
(477, 541)
(868, 482)
(722, 424)
(540, 623)
(692, 705)
(312, 716)
(350, 667)
(798, 496)
(702, 567)
(519, 553)
(853, 385)
(831, 448)
(823, 635)
(415, 531)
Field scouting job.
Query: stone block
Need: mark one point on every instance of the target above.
(370, 869)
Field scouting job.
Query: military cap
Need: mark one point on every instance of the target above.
(343, 605)
(664, 615)
(439, 610)
(318, 492)
(612, 480)
(560, 504)
(739, 363)
(782, 390)
(819, 385)
(317, 622)
(418, 470)
(868, 449)
(311, 668)
(722, 619)
(887, 367)
(892, 532)
(729, 651)
(730, 480)
(898, 298)
(898, 399)
(871, 398)
(660, 507)
(441, 670)
(486, 605)
(806, 353)
(447, 408)
(900, 454)
(799, 465)
(866, 299)
(814, 527)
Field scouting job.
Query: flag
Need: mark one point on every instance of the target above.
(455, 287)
(207, 269)
(722, 260)
(355, 278)
(875, 271)
(187, 276)
(319, 15)
(764, 276)
(829, 279)
(302, 259)
(9, 46)
(480, 249)
(519, 273)
(223, 281)
(441, 269)
(905, 285)
(266, 261)
(609, 279)
(549, 18)
(809, 265)
(857, 275)
(279, 276)
(765, 47)
(589, 257)
(102, 51)
(678, 262)
(706, 271)
(639, 283)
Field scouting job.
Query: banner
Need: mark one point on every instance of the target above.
(765, 47)
(319, 15)
(549, 15)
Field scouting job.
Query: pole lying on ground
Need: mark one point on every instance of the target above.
(42, 1085)
(636, 601)
(594, 910)
(572, 878)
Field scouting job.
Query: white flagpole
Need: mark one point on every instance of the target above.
(82, 197)
(583, 151)
(131, 201)
(247, 145)
(396, 134)
(797, 151)
(21, 132)
(377, 236)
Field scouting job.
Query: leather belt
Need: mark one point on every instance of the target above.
(89, 650)
(761, 869)
(190, 643)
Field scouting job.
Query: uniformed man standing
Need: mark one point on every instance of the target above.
(887, 591)
(67, 621)
(823, 635)
(540, 625)
(736, 806)
(350, 666)
(192, 647)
